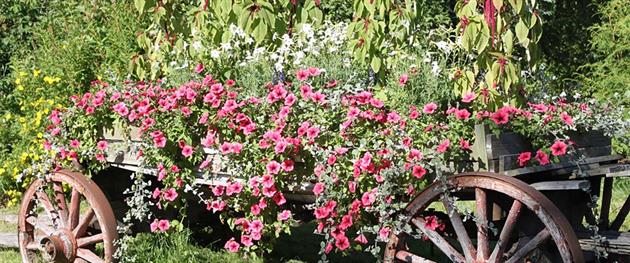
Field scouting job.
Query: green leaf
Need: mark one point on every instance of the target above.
(139, 4)
(521, 33)
(376, 64)
(260, 31)
(498, 4)
(483, 38)
(508, 41)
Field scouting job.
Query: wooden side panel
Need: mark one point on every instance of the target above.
(507, 143)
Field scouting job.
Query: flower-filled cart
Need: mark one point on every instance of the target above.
(392, 181)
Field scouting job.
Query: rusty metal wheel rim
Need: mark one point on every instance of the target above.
(67, 239)
(556, 225)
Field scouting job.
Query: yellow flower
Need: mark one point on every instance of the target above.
(20, 88)
(22, 120)
(2, 170)
(36, 72)
(18, 81)
(7, 116)
(51, 80)
(23, 74)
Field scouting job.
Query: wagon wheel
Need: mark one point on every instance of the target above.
(66, 218)
(555, 229)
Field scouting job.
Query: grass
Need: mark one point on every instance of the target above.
(8, 255)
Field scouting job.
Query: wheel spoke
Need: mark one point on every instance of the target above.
(460, 230)
(84, 223)
(32, 246)
(89, 256)
(44, 200)
(530, 246)
(438, 240)
(60, 200)
(504, 237)
(84, 241)
(75, 206)
(482, 224)
(405, 256)
(38, 224)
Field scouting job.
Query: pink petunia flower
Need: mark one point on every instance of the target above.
(500, 117)
(558, 148)
(187, 151)
(75, 144)
(273, 167)
(429, 108)
(199, 68)
(154, 225)
(284, 215)
(462, 114)
(542, 157)
(341, 242)
(566, 118)
(164, 225)
(418, 171)
(246, 240)
(302, 75)
(318, 188)
(101, 145)
(170, 194)
(361, 239)
(469, 97)
(402, 81)
(523, 158)
(232, 246)
(443, 146)
(384, 233)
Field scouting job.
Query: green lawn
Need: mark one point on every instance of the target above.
(10, 255)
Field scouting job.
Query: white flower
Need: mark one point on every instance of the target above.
(405, 23)
(197, 45)
(435, 68)
(444, 46)
(215, 53)
(226, 47)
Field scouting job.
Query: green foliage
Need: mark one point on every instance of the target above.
(504, 37)
(174, 247)
(176, 24)
(608, 77)
(17, 18)
(565, 43)
(83, 41)
(56, 48)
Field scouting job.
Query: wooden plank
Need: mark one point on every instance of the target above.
(606, 197)
(506, 143)
(9, 240)
(562, 185)
(621, 216)
(589, 139)
(510, 161)
(479, 153)
(614, 242)
(558, 166)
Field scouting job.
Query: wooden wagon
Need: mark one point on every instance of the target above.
(532, 214)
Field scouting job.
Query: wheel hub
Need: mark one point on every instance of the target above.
(59, 247)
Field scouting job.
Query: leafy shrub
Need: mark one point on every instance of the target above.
(609, 77)
(175, 247)
(67, 45)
